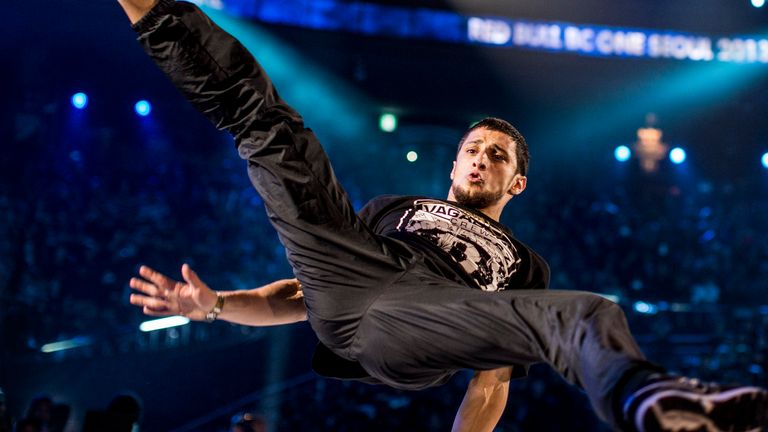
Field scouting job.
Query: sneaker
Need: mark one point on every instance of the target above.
(678, 404)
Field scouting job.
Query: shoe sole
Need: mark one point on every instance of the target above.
(743, 409)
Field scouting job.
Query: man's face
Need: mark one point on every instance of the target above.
(485, 171)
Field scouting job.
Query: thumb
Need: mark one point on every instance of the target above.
(203, 297)
(190, 276)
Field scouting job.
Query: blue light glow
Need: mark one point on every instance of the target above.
(765, 160)
(323, 99)
(388, 122)
(677, 155)
(66, 344)
(143, 108)
(551, 36)
(645, 308)
(80, 100)
(622, 153)
(758, 3)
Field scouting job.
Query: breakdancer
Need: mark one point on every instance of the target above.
(411, 289)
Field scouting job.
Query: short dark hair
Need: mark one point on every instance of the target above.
(522, 154)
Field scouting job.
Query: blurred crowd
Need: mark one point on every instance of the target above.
(77, 223)
(44, 414)
(655, 237)
(337, 406)
(78, 215)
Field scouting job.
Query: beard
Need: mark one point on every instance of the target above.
(476, 200)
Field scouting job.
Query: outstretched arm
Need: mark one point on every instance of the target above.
(280, 302)
(484, 401)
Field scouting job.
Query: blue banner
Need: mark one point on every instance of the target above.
(419, 23)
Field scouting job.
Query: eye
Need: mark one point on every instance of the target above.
(471, 150)
(500, 157)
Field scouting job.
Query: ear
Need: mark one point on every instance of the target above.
(453, 170)
(518, 185)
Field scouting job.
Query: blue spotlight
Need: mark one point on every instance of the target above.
(622, 153)
(143, 108)
(388, 122)
(765, 160)
(758, 3)
(645, 308)
(677, 155)
(79, 100)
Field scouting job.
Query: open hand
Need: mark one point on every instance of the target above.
(163, 296)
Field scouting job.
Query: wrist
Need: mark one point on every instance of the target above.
(216, 309)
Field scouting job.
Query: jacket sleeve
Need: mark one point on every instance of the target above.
(213, 70)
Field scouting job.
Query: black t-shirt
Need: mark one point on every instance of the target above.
(459, 243)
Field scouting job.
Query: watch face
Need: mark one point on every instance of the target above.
(214, 313)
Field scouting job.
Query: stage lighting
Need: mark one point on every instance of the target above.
(622, 153)
(758, 3)
(163, 323)
(645, 308)
(388, 122)
(143, 108)
(677, 155)
(765, 160)
(412, 156)
(80, 100)
(66, 344)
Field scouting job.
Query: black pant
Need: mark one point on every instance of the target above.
(370, 298)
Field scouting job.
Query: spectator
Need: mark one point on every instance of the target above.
(248, 422)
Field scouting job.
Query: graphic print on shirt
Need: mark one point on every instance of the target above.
(484, 251)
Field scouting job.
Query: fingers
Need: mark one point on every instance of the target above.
(153, 303)
(147, 288)
(190, 276)
(156, 277)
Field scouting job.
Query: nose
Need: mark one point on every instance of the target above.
(480, 161)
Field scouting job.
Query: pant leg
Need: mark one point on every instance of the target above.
(424, 326)
(341, 264)
(338, 260)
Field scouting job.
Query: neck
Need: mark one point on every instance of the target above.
(493, 211)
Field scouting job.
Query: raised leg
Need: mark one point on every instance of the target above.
(335, 256)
